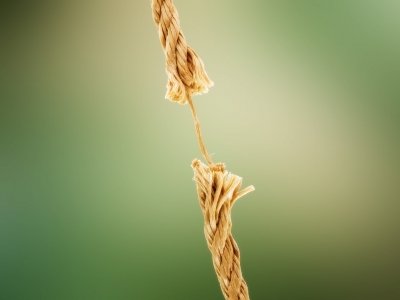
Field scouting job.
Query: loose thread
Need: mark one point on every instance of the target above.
(198, 131)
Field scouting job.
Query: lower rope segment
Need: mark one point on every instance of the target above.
(217, 191)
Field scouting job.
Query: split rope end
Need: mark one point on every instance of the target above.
(185, 70)
(217, 191)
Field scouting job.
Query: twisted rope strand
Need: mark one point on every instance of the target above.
(185, 70)
(217, 191)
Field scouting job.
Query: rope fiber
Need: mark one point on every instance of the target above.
(217, 189)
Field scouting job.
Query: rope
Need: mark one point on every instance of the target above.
(185, 70)
(216, 188)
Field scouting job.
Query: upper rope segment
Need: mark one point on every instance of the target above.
(185, 70)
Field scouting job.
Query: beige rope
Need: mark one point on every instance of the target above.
(185, 70)
(216, 188)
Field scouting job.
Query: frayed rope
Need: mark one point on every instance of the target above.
(216, 188)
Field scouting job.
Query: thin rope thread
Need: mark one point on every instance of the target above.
(198, 131)
(217, 189)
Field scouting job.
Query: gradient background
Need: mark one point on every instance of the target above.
(96, 193)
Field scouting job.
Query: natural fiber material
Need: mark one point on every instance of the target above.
(218, 190)
(185, 70)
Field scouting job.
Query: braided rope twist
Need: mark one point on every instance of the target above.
(185, 70)
(217, 191)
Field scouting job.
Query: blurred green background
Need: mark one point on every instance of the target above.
(96, 193)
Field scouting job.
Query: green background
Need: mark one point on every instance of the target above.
(96, 193)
